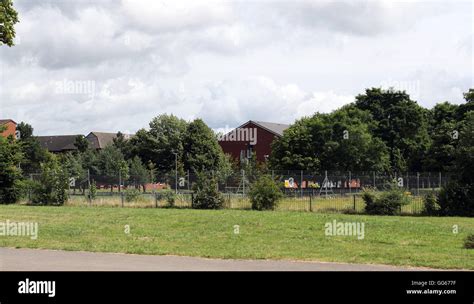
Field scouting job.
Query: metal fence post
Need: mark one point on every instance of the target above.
(243, 182)
(121, 198)
(301, 183)
(350, 182)
(440, 179)
(89, 186)
(417, 183)
(120, 182)
(354, 200)
(310, 202)
(408, 182)
(374, 180)
(29, 189)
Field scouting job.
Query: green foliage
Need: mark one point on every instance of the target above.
(139, 175)
(469, 242)
(400, 123)
(341, 140)
(157, 145)
(10, 174)
(81, 143)
(111, 163)
(72, 163)
(201, 149)
(430, 205)
(123, 144)
(33, 153)
(457, 199)
(206, 194)
(385, 203)
(8, 19)
(132, 195)
(50, 188)
(26, 130)
(92, 190)
(443, 123)
(265, 194)
(168, 195)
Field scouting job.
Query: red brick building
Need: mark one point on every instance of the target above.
(252, 136)
(10, 127)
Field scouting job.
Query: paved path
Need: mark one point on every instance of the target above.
(55, 260)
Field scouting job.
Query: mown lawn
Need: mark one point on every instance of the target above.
(413, 241)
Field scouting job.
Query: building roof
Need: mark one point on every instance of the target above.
(4, 121)
(275, 128)
(272, 127)
(58, 143)
(99, 140)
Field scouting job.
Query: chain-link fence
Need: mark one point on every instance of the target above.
(327, 191)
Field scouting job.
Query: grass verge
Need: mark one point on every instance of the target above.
(409, 241)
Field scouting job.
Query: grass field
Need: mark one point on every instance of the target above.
(413, 241)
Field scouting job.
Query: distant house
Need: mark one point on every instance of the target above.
(100, 140)
(66, 143)
(251, 137)
(58, 143)
(10, 127)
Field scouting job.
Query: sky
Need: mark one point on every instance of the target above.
(113, 65)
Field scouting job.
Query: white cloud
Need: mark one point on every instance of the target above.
(199, 59)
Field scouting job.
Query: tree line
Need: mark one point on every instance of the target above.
(383, 131)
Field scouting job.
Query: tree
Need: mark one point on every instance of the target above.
(201, 149)
(457, 197)
(227, 166)
(139, 175)
(31, 148)
(443, 123)
(8, 19)
(72, 164)
(10, 173)
(400, 123)
(26, 130)
(338, 141)
(50, 188)
(207, 196)
(159, 144)
(265, 193)
(112, 165)
(123, 144)
(468, 106)
(81, 143)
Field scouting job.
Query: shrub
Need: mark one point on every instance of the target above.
(456, 199)
(132, 195)
(207, 196)
(430, 205)
(50, 188)
(265, 194)
(469, 242)
(386, 203)
(10, 174)
(169, 196)
(92, 190)
(11, 195)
